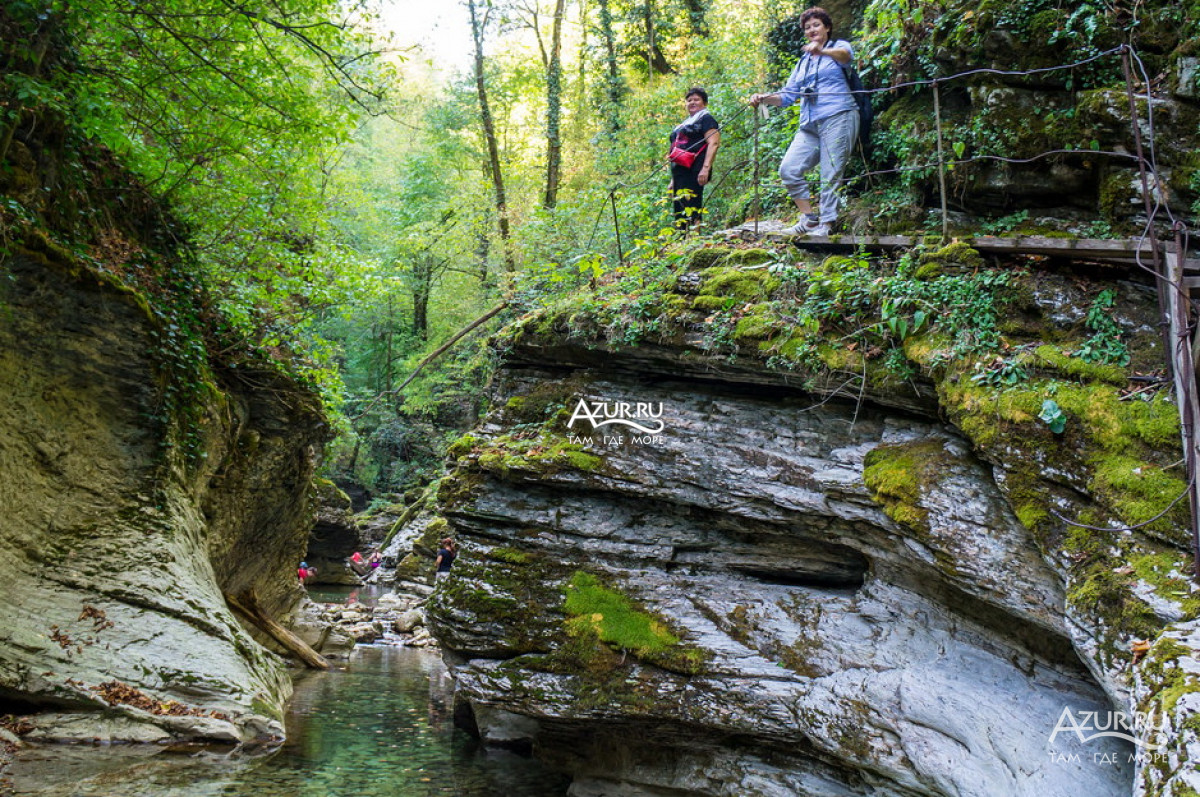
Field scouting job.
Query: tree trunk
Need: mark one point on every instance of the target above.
(554, 109)
(613, 87)
(656, 62)
(247, 606)
(422, 286)
(482, 247)
(389, 356)
(581, 88)
(696, 17)
(489, 134)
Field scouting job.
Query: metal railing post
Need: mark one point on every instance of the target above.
(937, 118)
(612, 195)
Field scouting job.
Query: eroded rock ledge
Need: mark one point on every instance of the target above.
(849, 601)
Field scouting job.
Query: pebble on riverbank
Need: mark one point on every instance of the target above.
(394, 620)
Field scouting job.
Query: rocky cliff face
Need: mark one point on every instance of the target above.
(792, 581)
(335, 537)
(140, 481)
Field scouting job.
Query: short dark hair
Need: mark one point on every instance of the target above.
(816, 12)
(699, 92)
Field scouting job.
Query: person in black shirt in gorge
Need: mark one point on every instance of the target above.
(445, 558)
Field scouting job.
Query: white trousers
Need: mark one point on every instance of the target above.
(830, 142)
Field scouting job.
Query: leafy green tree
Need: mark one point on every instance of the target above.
(614, 86)
(231, 112)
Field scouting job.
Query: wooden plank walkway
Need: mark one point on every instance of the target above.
(1125, 251)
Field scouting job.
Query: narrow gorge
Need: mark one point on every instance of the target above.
(313, 335)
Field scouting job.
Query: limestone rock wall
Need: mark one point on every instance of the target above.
(847, 655)
(856, 584)
(335, 537)
(115, 548)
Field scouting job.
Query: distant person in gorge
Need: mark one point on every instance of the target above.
(375, 559)
(445, 558)
(828, 122)
(358, 564)
(694, 144)
(305, 573)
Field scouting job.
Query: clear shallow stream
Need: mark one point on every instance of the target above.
(379, 725)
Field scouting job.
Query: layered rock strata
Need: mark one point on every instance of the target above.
(822, 638)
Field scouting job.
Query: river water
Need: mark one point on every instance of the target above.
(378, 725)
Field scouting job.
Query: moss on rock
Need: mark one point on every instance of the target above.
(600, 616)
(898, 474)
(739, 284)
(958, 255)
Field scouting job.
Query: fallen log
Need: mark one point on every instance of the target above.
(247, 606)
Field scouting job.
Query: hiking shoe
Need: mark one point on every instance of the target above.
(807, 223)
(821, 230)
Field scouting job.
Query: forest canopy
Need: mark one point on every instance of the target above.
(352, 207)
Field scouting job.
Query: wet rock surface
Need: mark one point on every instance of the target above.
(390, 618)
(843, 652)
(334, 538)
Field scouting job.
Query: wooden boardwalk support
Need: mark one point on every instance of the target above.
(1123, 251)
(1187, 397)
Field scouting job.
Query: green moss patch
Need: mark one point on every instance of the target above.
(546, 404)
(511, 556)
(1053, 359)
(1139, 491)
(600, 613)
(543, 454)
(896, 475)
(955, 255)
(758, 323)
(740, 285)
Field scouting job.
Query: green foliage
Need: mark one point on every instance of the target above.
(1005, 223)
(1053, 416)
(1000, 372)
(1052, 357)
(1105, 344)
(226, 113)
(884, 304)
(265, 79)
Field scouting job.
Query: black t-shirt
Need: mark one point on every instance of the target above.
(692, 138)
(447, 559)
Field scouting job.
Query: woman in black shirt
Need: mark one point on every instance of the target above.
(694, 144)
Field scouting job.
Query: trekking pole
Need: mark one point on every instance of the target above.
(757, 201)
